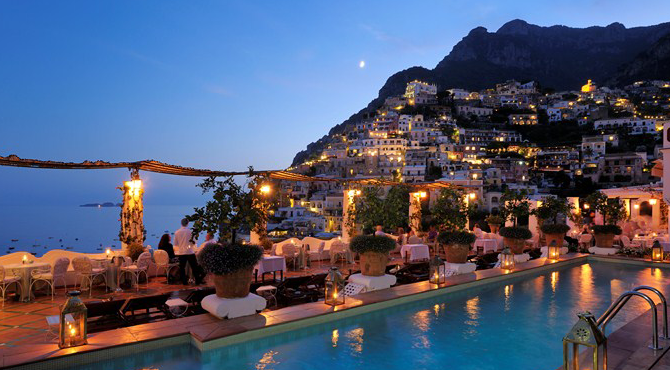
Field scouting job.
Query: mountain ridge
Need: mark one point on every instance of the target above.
(556, 56)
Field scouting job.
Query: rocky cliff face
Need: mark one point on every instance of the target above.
(559, 57)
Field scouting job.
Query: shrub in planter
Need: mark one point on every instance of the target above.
(458, 245)
(604, 235)
(374, 253)
(515, 238)
(554, 232)
(231, 265)
(494, 222)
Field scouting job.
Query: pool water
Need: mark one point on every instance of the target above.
(516, 324)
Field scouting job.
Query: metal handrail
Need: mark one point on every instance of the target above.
(665, 307)
(615, 307)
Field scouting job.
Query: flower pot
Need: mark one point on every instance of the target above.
(558, 238)
(516, 246)
(373, 263)
(494, 228)
(233, 285)
(457, 253)
(604, 240)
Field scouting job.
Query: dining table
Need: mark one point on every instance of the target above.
(415, 252)
(487, 245)
(24, 272)
(270, 264)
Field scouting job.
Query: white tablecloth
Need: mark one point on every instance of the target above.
(488, 245)
(270, 264)
(24, 272)
(416, 251)
(643, 241)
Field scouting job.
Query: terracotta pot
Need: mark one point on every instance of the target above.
(457, 253)
(494, 228)
(233, 285)
(604, 240)
(373, 263)
(516, 246)
(558, 238)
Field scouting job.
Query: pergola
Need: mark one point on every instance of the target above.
(132, 211)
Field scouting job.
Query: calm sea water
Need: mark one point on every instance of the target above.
(82, 229)
(517, 324)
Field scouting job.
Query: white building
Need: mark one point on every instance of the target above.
(635, 126)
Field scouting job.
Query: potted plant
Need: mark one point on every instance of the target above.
(516, 206)
(458, 245)
(494, 222)
(373, 252)
(612, 211)
(548, 213)
(231, 266)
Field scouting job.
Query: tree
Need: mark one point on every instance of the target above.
(369, 208)
(396, 207)
(612, 209)
(230, 209)
(515, 205)
(551, 208)
(450, 211)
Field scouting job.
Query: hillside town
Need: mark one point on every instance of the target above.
(513, 135)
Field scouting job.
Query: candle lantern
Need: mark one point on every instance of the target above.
(553, 251)
(506, 259)
(334, 288)
(72, 322)
(657, 252)
(585, 333)
(436, 271)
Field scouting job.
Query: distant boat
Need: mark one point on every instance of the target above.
(68, 247)
(11, 248)
(60, 240)
(15, 240)
(99, 249)
(51, 237)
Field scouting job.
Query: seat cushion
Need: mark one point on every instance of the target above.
(10, 279)
(43, 276)
(98, 271)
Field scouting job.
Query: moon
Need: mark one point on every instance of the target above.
(361, 64)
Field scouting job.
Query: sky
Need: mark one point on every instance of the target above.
(218, 85)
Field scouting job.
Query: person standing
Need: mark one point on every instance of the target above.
(184, 250)
(209, 239)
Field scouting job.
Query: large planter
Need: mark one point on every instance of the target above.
(604, 240)
(233, 285)
(558, 238)
(494, 228)
(457, 253)
(516, 246)
(373, 263)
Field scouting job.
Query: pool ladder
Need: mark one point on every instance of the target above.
(615, 307)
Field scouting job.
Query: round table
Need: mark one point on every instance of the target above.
(24, 271)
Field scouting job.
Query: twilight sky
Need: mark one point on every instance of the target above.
(214, 85)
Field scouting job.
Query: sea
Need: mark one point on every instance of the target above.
(39, 228)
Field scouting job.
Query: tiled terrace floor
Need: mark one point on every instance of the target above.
(25, 323)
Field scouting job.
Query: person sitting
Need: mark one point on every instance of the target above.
(165, 245)
(380, 231)
(186, 254)
(432, 234)
(478, 231)
(209, 239)
(401, 236)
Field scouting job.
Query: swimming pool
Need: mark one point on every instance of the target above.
(515, 324)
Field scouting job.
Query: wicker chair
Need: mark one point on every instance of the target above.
(141, 267)
(290, 253)
(6, 280)
(51, 274)
(85, 271)
(162, 260)
(339, 250)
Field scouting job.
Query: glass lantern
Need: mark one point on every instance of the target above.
(436, 271)
(657, 252)
(73, 322)
(553, 251)
(585, 333)
(334, 288)
(506, 259)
